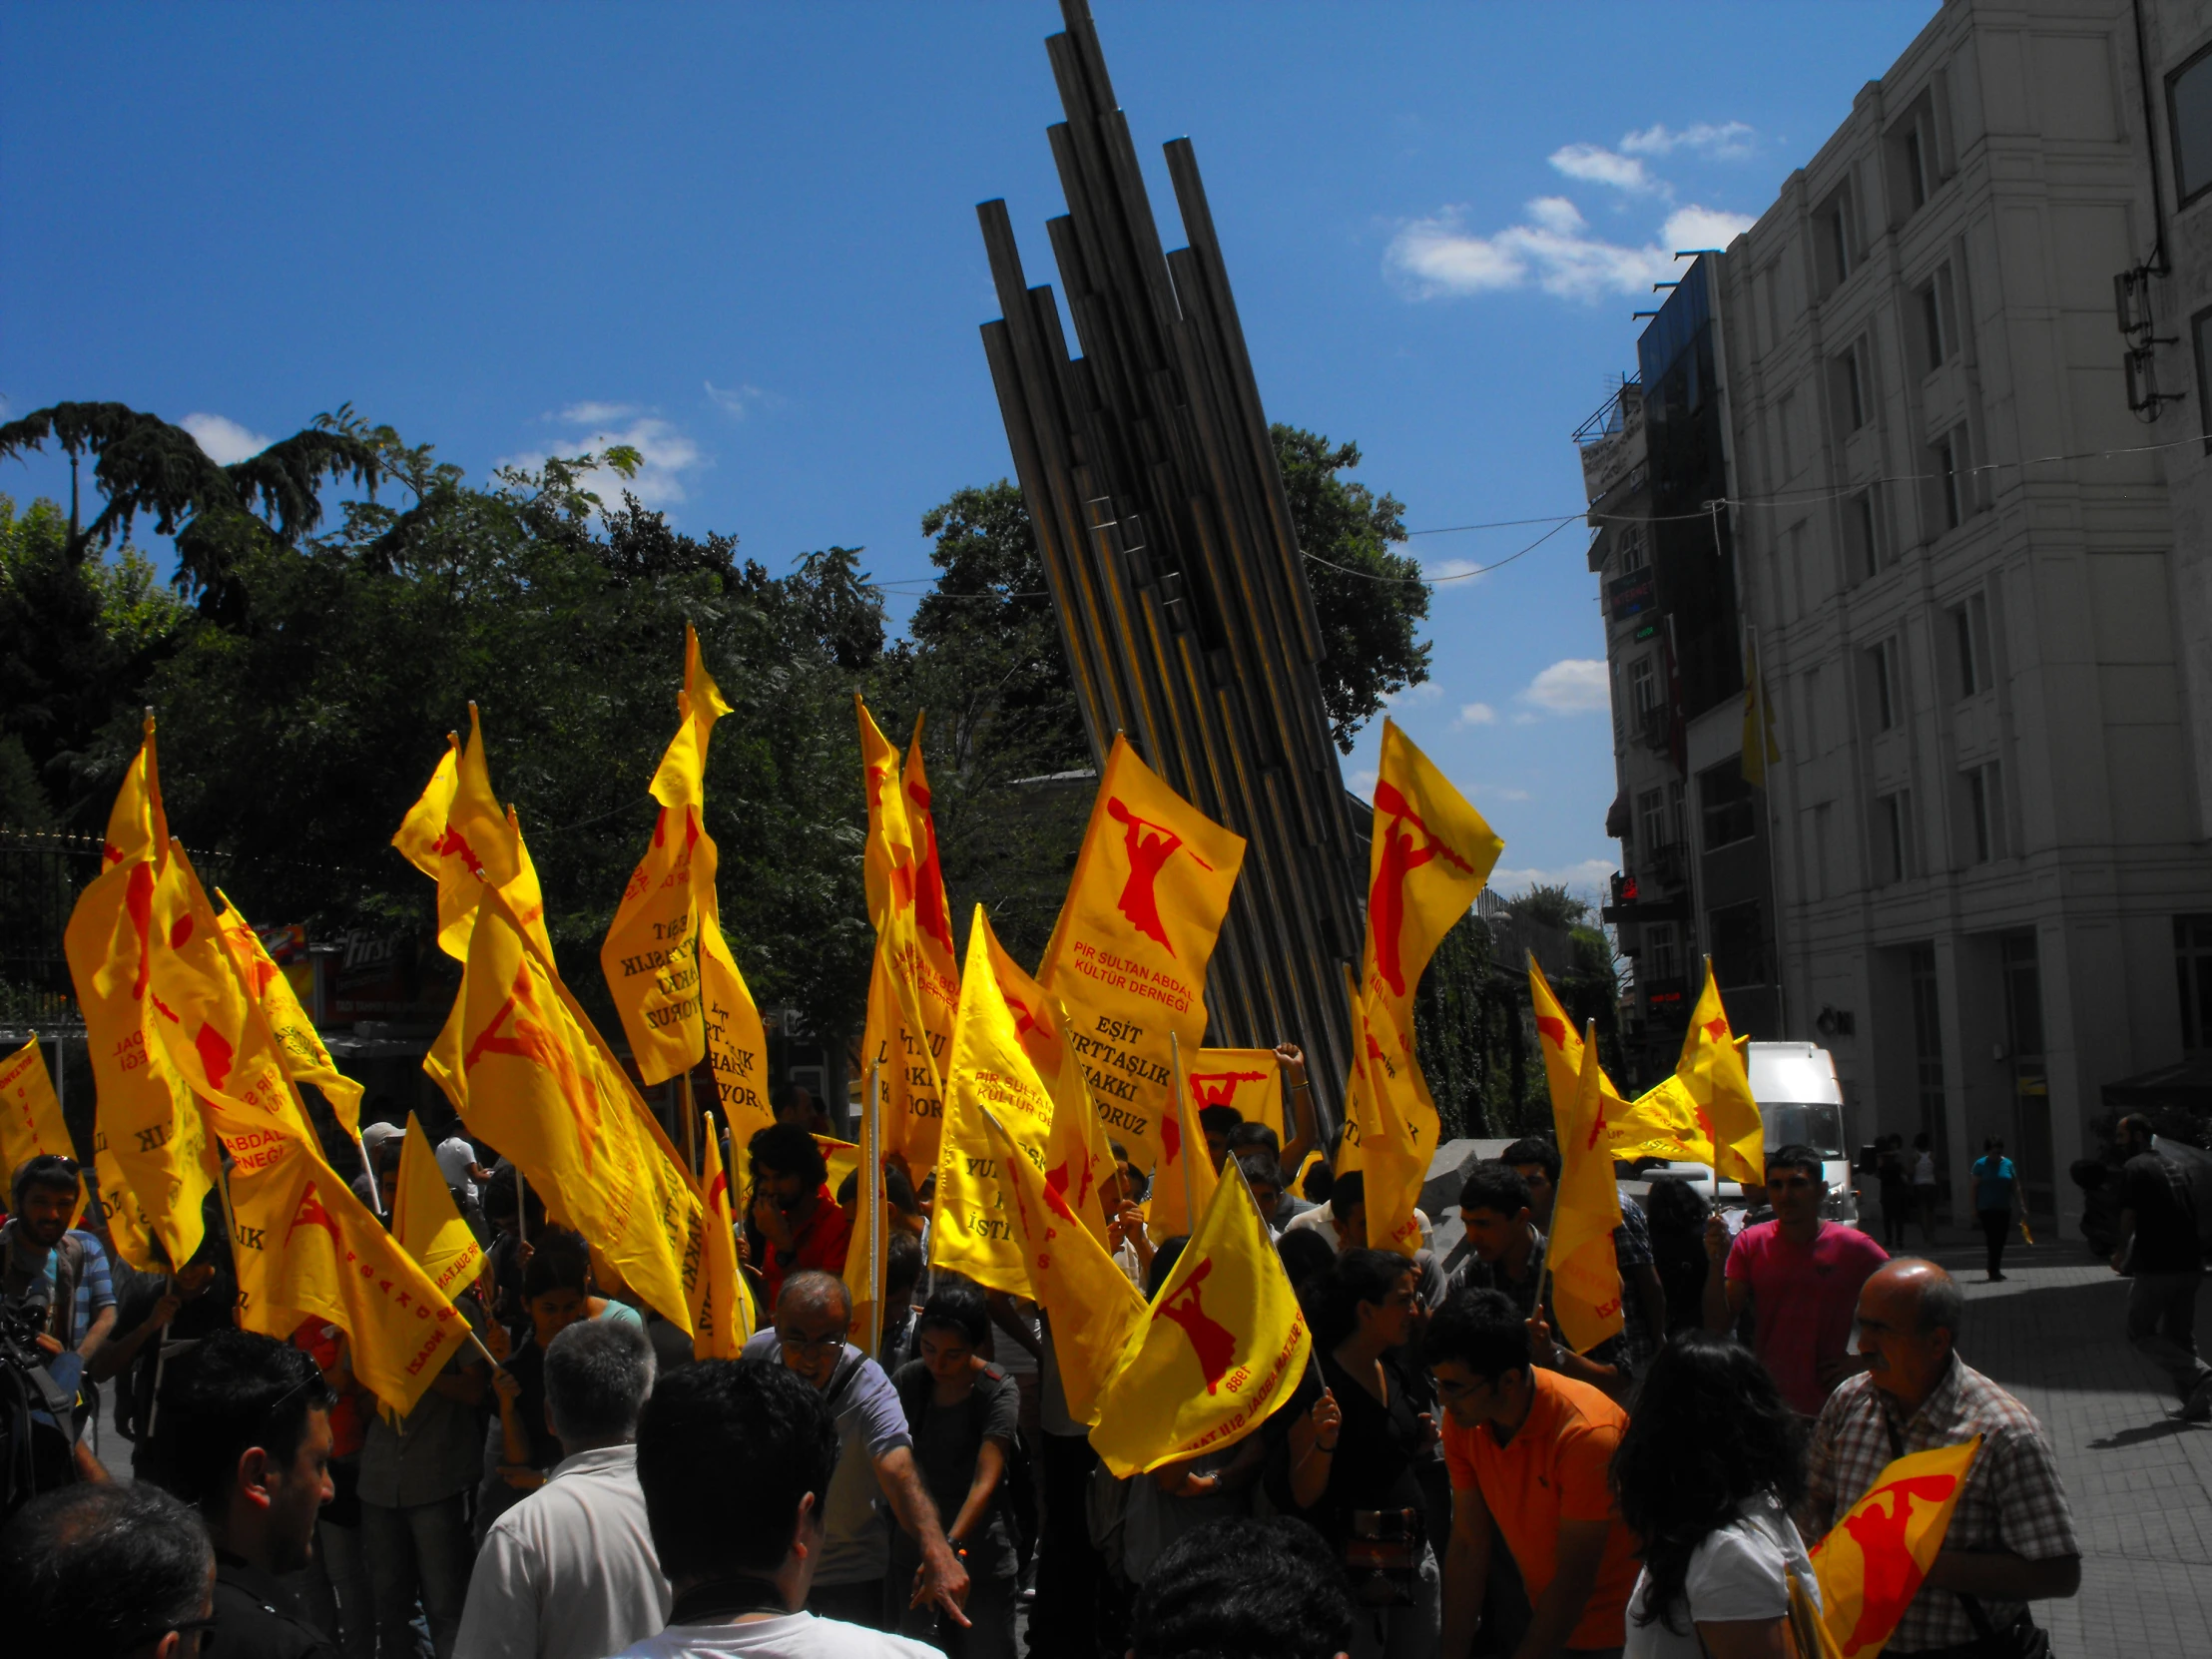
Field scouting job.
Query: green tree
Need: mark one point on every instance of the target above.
(1371, 600)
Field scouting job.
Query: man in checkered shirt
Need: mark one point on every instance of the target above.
(2011, 1538)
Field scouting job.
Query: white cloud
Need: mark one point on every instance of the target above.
(1450, 570)
(589, 413)
(224, 441)
(1499, 791)
(735, 400)
(1363, 785)
(1577, 878)
(665, 454)
(1426, 692)
(1594, 164)
(1477, 714)
(1725, 141)
(1572, 686)
(1553, 248)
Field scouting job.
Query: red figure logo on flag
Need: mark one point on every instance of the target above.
(1213, 1342)
(1204, 1093)
(1402, 856)
(532, 1041)
(717, 1193)
(1171, 1139)
(451, 842)
(1024, 1023)
(1057, 1191)
(311, 1214)
(1891, 1576)
(1553, 1031)
(935, 919)
(1147, 856)
(903, 875)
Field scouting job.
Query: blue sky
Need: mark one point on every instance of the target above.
(744, 239)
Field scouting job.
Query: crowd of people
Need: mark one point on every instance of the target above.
(1449, 1478)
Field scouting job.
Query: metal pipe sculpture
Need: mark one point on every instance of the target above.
(1166, 535)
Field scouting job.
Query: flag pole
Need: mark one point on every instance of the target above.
(871, 1197)
(690, 1111)
(375, 1193)
(522, 1208)
(1190, 1180)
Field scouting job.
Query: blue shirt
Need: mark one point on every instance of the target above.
(1993, 1176)
(95, 1285)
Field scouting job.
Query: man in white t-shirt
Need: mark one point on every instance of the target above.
(569, 1572)
(735, 1456)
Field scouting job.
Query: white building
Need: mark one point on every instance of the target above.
(1955, 546)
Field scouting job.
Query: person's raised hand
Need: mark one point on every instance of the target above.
(169, 1306)
(506, 1386)
(497, 1343)
(1716, 1238)
(1291, 1058)
(770, 1221)
(1327, 1419)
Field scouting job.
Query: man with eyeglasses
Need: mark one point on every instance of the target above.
(245, 1435)
(106, 1573)
(876, 1459)
(1801, 1277)
(58, 1266)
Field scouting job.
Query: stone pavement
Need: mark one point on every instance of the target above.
(2139, 1480)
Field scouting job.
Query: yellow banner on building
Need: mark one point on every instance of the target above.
(972, 1228)
(149, 1150)
(1223, 1346)
(1128, 956)
(427, 1223)
(1872, 1564)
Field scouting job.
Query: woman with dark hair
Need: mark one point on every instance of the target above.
(963, 1413)
(1345, 1458)
(1707, 1472)
(1677, 1214)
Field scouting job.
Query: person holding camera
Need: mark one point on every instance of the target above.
(56, 1268)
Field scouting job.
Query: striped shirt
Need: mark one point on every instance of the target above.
(2012, 1501)
(28, 1266)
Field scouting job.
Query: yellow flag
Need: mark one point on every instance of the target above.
(1430, 855)
(542, 1087)
(1760, 745)
(1585, 1274)
(910, 1044)
(651, 954)
(1095, 1311)
(31, 1123)
(150, 1149)
(1183, 1184)
(1250, 1080)
(1077, 1156)
(1659, 1123)
(457, 835)
(425, 1221)
(1128, 956)
(215, 1034)
(307, 1248)
(1711, 1073)
(722, 1320)
(737, 1043)
(1871, 1566)
(425, 841)
(1223, 1346)
(971, 1228)
(940, 972)
(298, 1043)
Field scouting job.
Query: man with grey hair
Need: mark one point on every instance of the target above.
(875, 1461)
(570, 1571)
(2011, 1538)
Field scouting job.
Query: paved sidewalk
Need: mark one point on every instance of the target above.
(2139, 1480)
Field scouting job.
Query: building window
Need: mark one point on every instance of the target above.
(1862, 534)
(1984, 813)
(1740, 955)
(1882, 702)
(1951, 480)
(2189, 109)
(1916, 168)
(1928, 1040)
(1663, 949)
(1835, 246)
(1893, 831)
(1969, 629)
(1847, 381)
(1678, 814)
(1652, 829)
(2193, 965)
(1631, 545)
(1939, 322)
(2200, 334)
(1643, 687)
(1725, 806)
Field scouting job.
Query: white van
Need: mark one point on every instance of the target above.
(1800, 1102)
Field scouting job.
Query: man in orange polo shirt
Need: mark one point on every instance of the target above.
(1529, 1451)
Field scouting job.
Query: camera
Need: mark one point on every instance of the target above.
(36, 1431)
